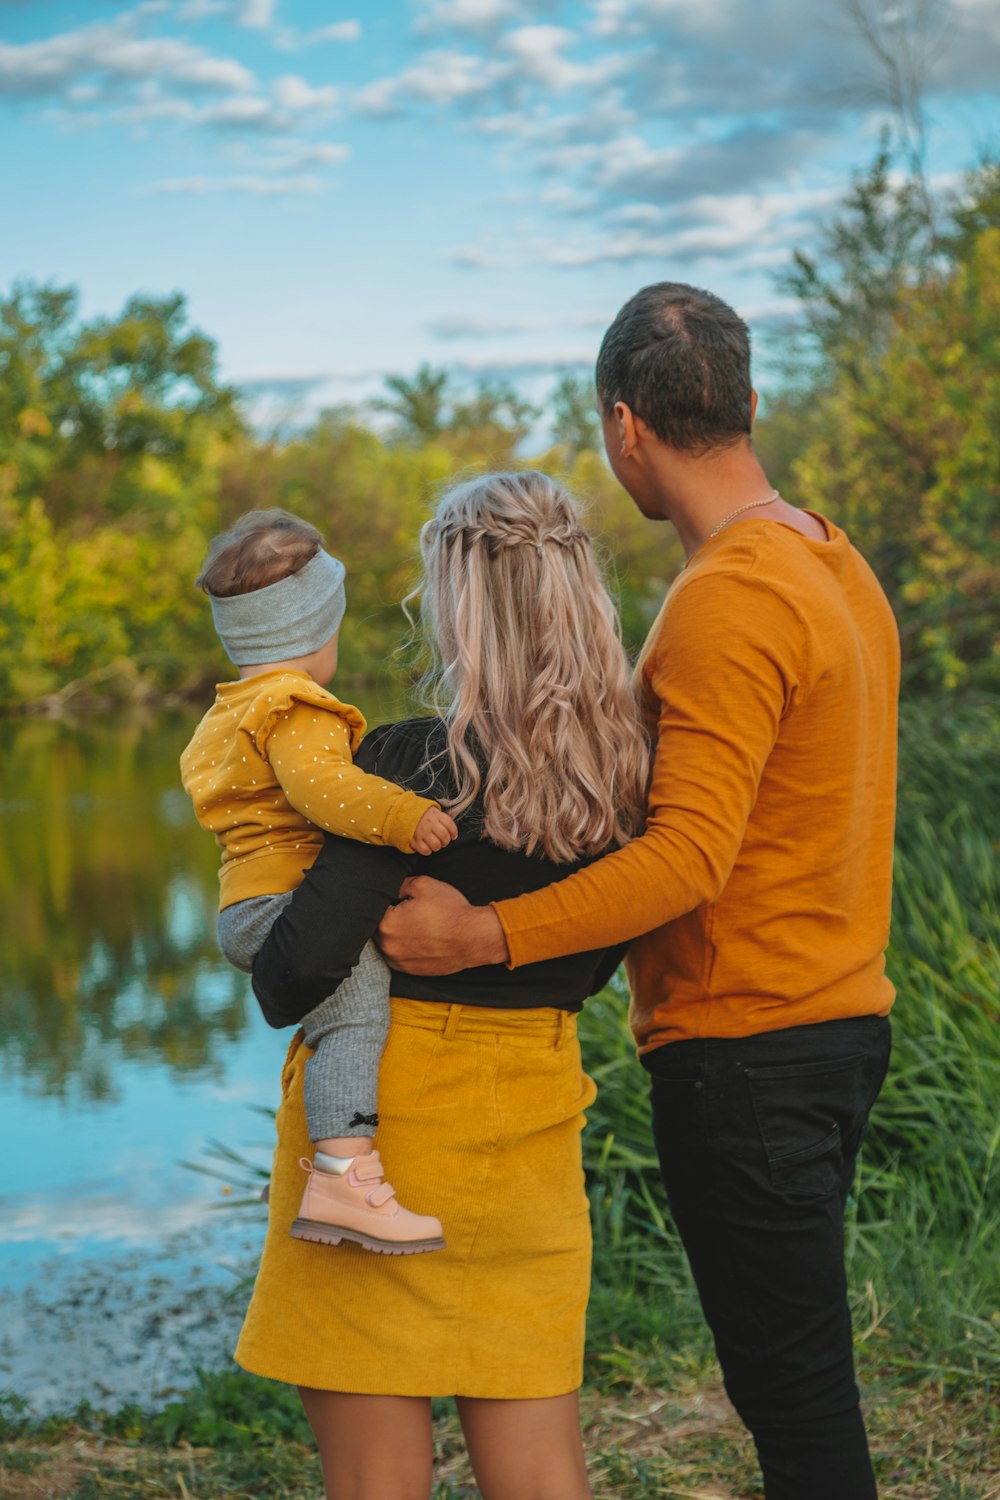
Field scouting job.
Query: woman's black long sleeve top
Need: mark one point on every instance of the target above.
(318, 938)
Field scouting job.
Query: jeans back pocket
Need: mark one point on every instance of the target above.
(805, 1112)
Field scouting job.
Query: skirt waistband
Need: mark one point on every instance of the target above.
(450, 1020)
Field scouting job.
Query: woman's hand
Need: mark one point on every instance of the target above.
(434, 930)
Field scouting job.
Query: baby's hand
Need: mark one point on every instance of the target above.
(434, 830)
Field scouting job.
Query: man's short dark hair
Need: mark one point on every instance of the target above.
(679, 358)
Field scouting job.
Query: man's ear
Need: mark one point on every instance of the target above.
(753, 405)
(626, 422)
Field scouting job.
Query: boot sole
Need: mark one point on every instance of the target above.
(332, 1234)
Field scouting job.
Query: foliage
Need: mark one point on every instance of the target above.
(121, 453)
(111, 438)
(429, 408)
(575, 424)
(879, 243)
(226, 1409)
(895, 433)
(908, 461)
(416, 405)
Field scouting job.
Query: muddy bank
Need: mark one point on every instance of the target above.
(129, 1327)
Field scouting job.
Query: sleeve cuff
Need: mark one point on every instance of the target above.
(515, 956)
(401, 822)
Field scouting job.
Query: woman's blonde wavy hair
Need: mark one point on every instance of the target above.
(529, 672)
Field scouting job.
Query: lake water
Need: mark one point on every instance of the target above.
(127, 1046)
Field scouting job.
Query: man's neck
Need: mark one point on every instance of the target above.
(699, 493)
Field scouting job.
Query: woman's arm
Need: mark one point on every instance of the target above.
(318, 938)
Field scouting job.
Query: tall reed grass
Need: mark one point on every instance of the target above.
(924, 1225)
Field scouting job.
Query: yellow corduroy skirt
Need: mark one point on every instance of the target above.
(481, 1113)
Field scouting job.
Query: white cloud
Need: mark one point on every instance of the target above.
(688, 102)
(252, 183)
(378, 98)
(340, 31)
(290, 39)
(778, 311)
(155, 107)
(473, 258)
(437, 78)
(111, 74)
(757, 229)
(568, 200)
(469, 15)
(538, 50)
(629, 168)
(258, 14)
(461, 326)
(113, 54)
(292, 156)
(215, 73)
(244, 114)
(636, 213)
(200, 10)
(292, 92)
(609, 16)
(525, 58)
(542, 126)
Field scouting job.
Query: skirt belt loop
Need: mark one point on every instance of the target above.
(451, 1025)
(563, 1028)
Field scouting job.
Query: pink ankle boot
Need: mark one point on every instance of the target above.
(361, 1206)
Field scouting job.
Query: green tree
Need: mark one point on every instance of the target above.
(111, 437)
(891, 425)
(906, 457)
(490, 420)
(494, 406)
(880, 243)
(418, 405)
(575, 423)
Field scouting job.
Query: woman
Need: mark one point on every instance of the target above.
(538, 753)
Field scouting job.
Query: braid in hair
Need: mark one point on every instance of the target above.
(530, 675)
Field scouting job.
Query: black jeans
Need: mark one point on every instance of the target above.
(758, 1139)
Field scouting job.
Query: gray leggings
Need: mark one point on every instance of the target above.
(347, 1030)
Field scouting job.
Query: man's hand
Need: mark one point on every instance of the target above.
(434, 930)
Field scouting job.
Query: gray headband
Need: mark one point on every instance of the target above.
(293, 617)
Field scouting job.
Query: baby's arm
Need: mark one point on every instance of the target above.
(309, 750)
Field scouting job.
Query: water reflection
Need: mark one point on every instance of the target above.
(107, 905)
(127, 1045)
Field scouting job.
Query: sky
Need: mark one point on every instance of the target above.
(343, 190)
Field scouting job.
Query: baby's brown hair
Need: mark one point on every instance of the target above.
(263, 547)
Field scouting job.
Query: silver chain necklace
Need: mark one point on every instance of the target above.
(750, 505)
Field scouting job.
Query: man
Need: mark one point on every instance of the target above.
(759, 894)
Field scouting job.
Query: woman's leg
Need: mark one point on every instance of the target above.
(526, 1450)
(372, 1447)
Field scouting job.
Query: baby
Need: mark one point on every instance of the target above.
(268, 768)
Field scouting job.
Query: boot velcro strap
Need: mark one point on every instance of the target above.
(368, 1168)
(381, 1194)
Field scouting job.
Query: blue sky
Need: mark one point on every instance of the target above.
(347, 189)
